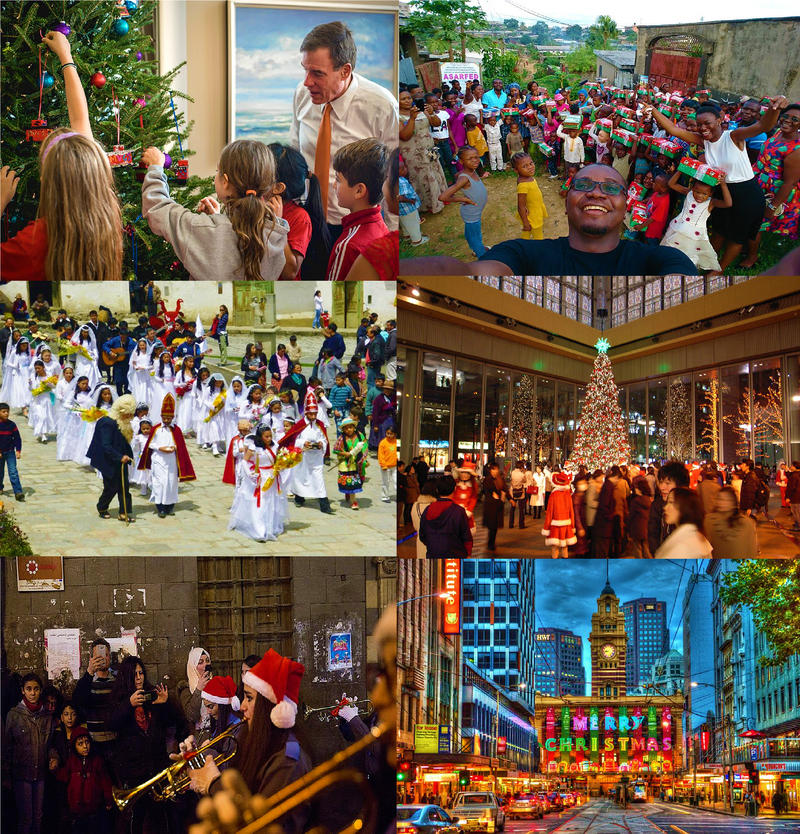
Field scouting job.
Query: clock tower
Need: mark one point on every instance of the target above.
(609, 644)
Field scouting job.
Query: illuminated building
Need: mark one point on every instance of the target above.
(559, 664)
(648, 639)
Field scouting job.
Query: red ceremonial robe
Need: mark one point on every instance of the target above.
(300, 425)
(185, 468)
(229, 475)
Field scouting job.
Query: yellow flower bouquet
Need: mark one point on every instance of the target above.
(216, 406)
(46, 384)
(65, 348)
(287, 458)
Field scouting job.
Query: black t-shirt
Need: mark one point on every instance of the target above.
(557, 257)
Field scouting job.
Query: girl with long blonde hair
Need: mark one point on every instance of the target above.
(244, 244)
(78, 233)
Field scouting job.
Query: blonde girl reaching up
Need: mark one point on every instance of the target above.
(78, 233)
(247, 242)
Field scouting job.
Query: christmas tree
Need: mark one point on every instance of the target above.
(680, 415)
(111, 49)
(602, 439)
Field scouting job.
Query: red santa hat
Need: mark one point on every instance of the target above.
(221, 690)
(310, 402)
(277, 679)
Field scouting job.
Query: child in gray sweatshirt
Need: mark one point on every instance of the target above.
(206, 242)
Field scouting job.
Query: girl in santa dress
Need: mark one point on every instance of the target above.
(71, 428)
(143, 477)
(466, 494)
(139, 372)
(65, 390)
(18, 368)
(103, 398)
(86, 365)
(163, 382)
(185, 382)
(43, 413)
(237, 397)
(559, 520)
(211, 432)
(256, 513)
(198, 395)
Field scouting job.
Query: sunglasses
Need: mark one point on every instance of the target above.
(610, 188)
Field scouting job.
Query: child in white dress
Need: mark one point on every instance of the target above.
(65, 390)
(139, 372)
(198, 409)
(144, 477)
(212, 429)
(103, 398)
(185, 382)
(19, 367)
(72, 426)
(86, 365)
(42, 417)
(688, 232)
(236, 399)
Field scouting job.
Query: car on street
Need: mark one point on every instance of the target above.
(545, 800)
(526, 805)
(567, 800)
(556, 802)
(479, 811)
(425, 819)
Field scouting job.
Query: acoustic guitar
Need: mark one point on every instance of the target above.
(113, 356)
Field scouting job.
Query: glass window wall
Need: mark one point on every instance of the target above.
(565, 422)
(706, 415)
(637, 421)
(522, 417)
(736, 427)
(467, 410)
(434, 417)
(768, 428)
(495, 433)
(657, 394)
(545, 408)
(406, 387)
(793, 401)
(679, 431)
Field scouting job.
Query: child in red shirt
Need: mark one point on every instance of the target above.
(360, 171)
(308, 243)
(657, 211)
(89, 791)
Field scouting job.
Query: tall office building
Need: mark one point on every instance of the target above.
(498, 621)
(648, 638)
(698, 651)
(559, 664)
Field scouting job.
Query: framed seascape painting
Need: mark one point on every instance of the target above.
(264, 56)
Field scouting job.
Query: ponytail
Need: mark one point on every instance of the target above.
(319, 247)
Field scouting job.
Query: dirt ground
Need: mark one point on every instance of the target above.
(499, 221)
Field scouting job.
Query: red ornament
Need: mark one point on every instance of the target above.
(119, 157)
(182, 169)
(38, 131)
(98, 80)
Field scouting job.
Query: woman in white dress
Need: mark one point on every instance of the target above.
(256, 513)
(43, 402)
(185, 382)
(52, 366)
(163, 382)
(19, 367)
(212, 427)
(72, 426)
(86, 365)
(143, 477)
(537, 500)
(139, 372)
(237, 397)
(103, 398)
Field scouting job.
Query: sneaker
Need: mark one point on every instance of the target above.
(386, 500)
(20, 496)
(215, 451)
(423, 239)
(553, 177)
(44, 438)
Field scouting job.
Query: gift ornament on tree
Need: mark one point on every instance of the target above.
(602, 439)
(110, 65)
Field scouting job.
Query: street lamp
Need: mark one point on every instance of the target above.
(443, 595)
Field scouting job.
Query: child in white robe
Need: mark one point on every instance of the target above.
(143, 477)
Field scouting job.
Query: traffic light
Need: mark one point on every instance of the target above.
(404, 772)
(463, 778)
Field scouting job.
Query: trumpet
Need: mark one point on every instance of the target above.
(321, 778)
(175, 779)
(326, 713)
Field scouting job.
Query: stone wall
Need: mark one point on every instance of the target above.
(744, 57)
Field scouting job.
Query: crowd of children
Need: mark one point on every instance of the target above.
(685, 158)
(266, 222)
(276, 431)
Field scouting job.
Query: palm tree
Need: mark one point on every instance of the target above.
(607, 29)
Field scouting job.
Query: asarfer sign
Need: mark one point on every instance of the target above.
(452, 602)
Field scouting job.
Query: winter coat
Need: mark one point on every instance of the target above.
(493, 509)
(638, 515)
(60, 746)
(708, 490)
(191, 703)
(657, 528)
(731, 541)
(622, 490)
(749, 488)
(685, 542)
(444, 530)
(420, 505)
(592, 494)
(412, 485)
(559, 520)
(539, 479)
(466, 496)
(604, 518)
(141, 754)
(88, 784)
(579, 510)
(26, 742)
(793, 488)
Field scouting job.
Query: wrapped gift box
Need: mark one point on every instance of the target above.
(551, 102)
(666, 111)
(704, 92)
(638, 215)
(697, 170)
(508, 111)
(605, 124)
(628, 124)
(646, 140)
(572, 122)
(626, 113)
(545, 149)
(671, 149)
(636, 191)
(624, 137)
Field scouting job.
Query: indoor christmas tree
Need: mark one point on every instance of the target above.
(680, 416)
(130, 105)
(602, 439)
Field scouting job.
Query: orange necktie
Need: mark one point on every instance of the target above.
(322, 155)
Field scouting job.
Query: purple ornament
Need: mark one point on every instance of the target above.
(139, 56)
(167, 160)
(63, 28)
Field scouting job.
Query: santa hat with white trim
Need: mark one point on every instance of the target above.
(278, 678)
(221, 690)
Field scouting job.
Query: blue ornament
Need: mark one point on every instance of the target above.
(47, 80)
(121, 27)
(131, 5)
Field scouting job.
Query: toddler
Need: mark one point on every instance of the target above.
(531, 210)
(573, 145)
(514, 139)
(476, 140)
(409, 208)
(493, 141)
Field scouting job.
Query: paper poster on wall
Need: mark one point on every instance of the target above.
(340, 654)
(40, 573)
(123, 646)
(62, 651)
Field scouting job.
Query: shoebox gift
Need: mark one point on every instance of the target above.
(545, 149)
(671, 149)
(572, 122)
(638, 215)
(636, 193)
(624, 137)
(699, 171)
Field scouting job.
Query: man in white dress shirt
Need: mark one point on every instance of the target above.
(357, 108)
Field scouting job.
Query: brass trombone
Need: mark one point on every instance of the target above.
(319, 779)
(175, 779)
(326, 713)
